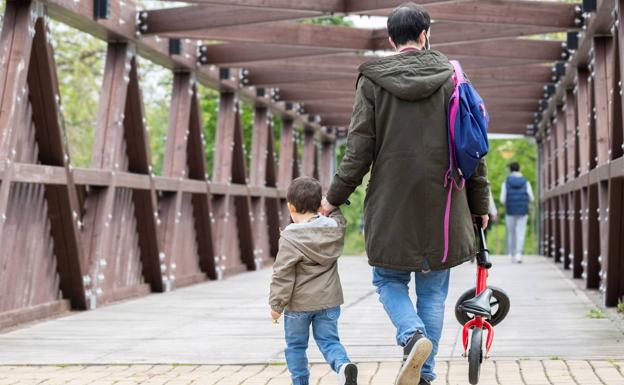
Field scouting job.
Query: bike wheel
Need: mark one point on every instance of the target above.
(499, 302)
(475, 356)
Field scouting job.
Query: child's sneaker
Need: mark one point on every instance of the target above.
(347, 375)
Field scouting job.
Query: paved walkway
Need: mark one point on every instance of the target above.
(499, 372)
(204, 332)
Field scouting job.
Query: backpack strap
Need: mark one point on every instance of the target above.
(459, 72)
(449, 180)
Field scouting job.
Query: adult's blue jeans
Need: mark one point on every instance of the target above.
(428, 315)
(325, 330)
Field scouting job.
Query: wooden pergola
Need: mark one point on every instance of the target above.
(315, 65)
(75, 237)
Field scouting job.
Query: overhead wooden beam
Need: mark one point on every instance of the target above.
(536, 73)
(323, 109)
(445, 32)
(343, 85)
(363, 6)
(286, 33)
(327, 6)
(324, 6)
(266, 77)
(306, 95)
(545, 50)
(238, 54)
(534, 92)
(520, 12)
(200, 16)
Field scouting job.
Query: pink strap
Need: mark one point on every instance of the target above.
(449, 181)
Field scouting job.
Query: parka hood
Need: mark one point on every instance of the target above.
(323, 245)
(411, 75)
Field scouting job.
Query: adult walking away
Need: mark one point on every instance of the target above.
(399, 126)
(516, 194)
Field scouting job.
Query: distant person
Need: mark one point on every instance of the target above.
(305, 286)
(399, 126)
(516, 194)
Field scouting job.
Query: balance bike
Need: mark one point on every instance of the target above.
(480, 308)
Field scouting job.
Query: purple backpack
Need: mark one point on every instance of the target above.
(468, 142)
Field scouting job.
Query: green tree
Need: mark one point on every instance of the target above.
(502, 153)
(80, 67)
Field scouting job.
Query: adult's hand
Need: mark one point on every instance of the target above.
(484, 220)
(326, 207)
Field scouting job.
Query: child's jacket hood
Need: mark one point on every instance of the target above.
(411, 75)
(322, 245)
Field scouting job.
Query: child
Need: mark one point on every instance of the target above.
(305, 285)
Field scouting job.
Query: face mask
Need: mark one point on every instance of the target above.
(426, 43)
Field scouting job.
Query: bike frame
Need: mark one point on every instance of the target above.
(478, 321)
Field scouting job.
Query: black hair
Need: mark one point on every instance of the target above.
(514, 166)
(305, 194)
(406, 22)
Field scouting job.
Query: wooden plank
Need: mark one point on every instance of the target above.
(181, 261)
(601, 97)
(507, 48)
(200, 16)
(544, 13)
(284, 33)
(324, 6)
(612, 261)
(237, 54)
(570, 136)
(584, 118)
(62, 200)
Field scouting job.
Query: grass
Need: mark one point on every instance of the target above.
(620, 306)
(596, 314)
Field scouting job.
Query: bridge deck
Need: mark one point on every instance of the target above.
(226, 322)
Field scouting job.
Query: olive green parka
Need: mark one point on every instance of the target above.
(399, 127)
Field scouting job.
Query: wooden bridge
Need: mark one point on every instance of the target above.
(77, 238)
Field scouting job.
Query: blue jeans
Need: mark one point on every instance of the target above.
(325, 330)
(427, 317)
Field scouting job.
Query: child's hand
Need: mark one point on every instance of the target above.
(275, 315)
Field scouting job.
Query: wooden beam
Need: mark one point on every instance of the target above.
(288, 93)
(324, 6)
(238, 54)
(285, 33)
(198, 17)
(534, 92)
(508, 48)
(266, 77)
(509, 12)
(536, 73)
(448, 32)
(363, 6)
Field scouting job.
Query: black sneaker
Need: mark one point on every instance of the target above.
(415, 353)
(424, 382)
(347, 375)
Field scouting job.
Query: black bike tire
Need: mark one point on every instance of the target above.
(499, 295)
(475, 356)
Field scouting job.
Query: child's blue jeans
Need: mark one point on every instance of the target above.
(325, 330)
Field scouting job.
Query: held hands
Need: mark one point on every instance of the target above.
(326, 207)
(275, 316)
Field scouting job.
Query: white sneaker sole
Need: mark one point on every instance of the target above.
(410, 371)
